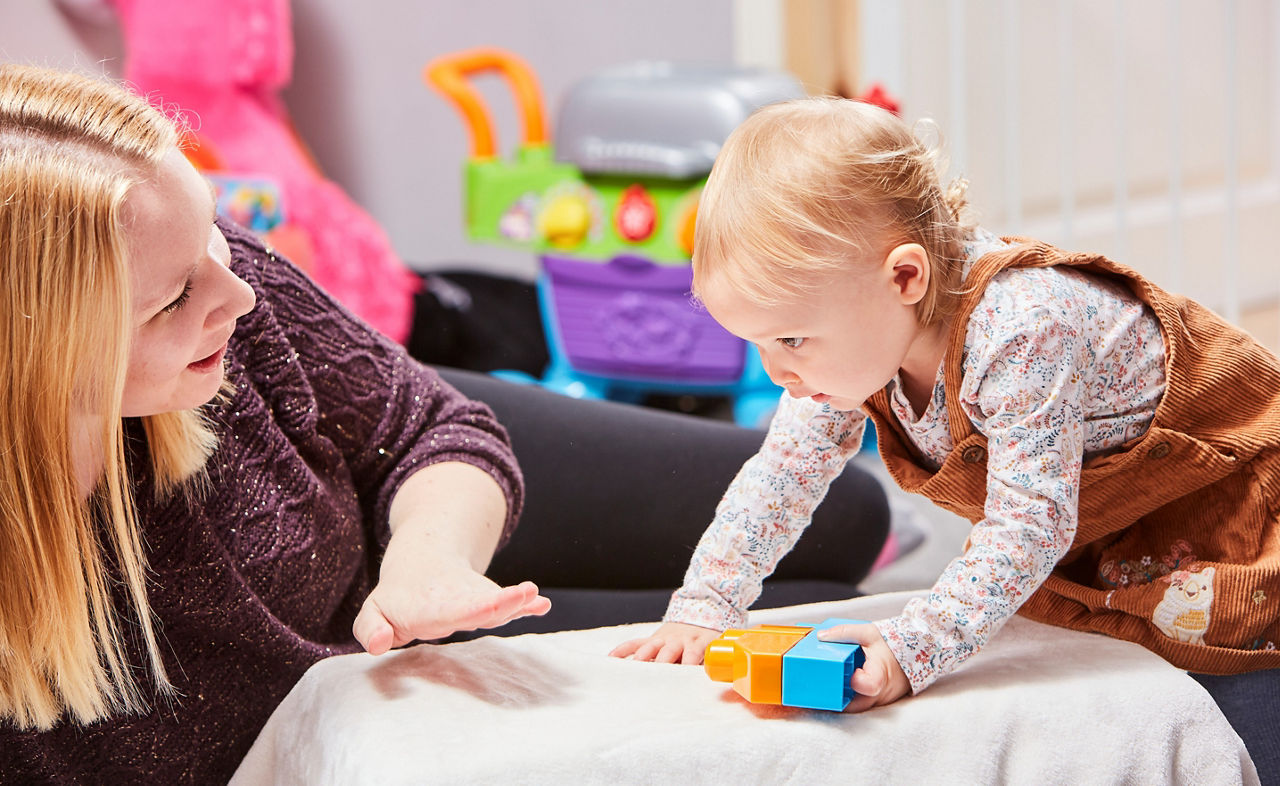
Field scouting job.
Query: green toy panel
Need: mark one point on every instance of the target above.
(538, 203)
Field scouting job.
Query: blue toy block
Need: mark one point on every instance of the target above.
(816, 673)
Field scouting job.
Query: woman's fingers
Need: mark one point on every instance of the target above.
(505, 605)
(372, 630)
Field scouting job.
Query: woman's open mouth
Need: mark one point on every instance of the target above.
(210, 363)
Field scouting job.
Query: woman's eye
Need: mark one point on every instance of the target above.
(791, 343)
(179, 301)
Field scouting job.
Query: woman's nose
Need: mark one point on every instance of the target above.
(238, 298)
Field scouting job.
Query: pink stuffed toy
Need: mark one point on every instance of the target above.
(224, 62)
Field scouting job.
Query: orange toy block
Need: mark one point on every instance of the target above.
(752, 660)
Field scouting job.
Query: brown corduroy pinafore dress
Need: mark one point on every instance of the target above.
(1178, 543)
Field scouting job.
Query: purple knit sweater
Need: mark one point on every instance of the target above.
(262, 575)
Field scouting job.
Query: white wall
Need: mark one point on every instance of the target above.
(1032, 105)
(1148, 130)
(1117, 126)
(359, 101)
(398, 147)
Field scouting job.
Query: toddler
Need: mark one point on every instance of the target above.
(1116, 447)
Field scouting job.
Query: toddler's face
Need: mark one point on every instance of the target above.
(838, 345)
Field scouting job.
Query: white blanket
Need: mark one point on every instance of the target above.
(1039, 705)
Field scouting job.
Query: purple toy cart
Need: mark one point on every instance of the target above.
(631, 318)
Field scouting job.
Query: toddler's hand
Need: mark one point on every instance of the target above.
(673, 642)
(880, 680)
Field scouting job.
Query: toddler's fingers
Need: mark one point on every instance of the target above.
(862, 633)
(869, 681)
(626, 648)
(671, 652)
(692, 656)
(862, 703)
(650, 648)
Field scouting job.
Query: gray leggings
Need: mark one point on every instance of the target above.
(617, 496)
(1251, 701)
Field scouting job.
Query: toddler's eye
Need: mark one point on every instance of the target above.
(791, 343)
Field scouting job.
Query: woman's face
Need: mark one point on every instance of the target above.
(185, 298)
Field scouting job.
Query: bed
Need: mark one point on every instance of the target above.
(1039, 705)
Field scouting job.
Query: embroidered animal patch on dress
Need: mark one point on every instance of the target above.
(1183, 613)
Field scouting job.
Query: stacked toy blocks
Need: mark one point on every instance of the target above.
(786, 664)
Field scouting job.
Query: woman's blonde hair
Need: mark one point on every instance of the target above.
(71, 148)
(804, 188)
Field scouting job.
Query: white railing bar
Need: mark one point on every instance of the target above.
(1155, 211)
(1120, 79)
(1012, 109)
(1177, 259)
(1231, 296)
(957, 127)
(1066, 122)
(1275, 102)
(1275, 90)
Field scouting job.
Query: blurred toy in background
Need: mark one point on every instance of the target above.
(610, 212)
(223, 63)
(252, 202)
(786, 664)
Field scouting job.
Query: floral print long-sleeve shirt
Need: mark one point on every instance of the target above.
(1058, 365)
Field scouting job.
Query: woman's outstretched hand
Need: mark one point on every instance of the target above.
(672, 642)
(438, 599)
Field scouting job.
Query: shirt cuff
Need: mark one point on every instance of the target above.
(915, 649)
(716, 615)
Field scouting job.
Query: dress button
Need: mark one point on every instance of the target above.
(974, 454)
(1159, 450)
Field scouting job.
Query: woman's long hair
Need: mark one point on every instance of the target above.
(71, 148)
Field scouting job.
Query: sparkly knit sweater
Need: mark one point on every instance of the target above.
(261, 574)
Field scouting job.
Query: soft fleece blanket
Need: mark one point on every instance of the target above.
(1040, 705)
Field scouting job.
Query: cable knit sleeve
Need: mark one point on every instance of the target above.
(343, 386)
(767, 506)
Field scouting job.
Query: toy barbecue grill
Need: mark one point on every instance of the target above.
(611, 215)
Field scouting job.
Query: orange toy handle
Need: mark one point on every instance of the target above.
(449, 73)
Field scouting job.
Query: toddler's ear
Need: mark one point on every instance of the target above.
(909, 263)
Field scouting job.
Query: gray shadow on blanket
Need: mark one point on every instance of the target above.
(491, 674)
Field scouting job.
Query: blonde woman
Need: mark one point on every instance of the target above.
(213, 476)
(203, 458)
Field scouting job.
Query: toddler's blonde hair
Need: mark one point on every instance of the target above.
(804, 189)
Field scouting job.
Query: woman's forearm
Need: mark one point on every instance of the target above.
(447, 510)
